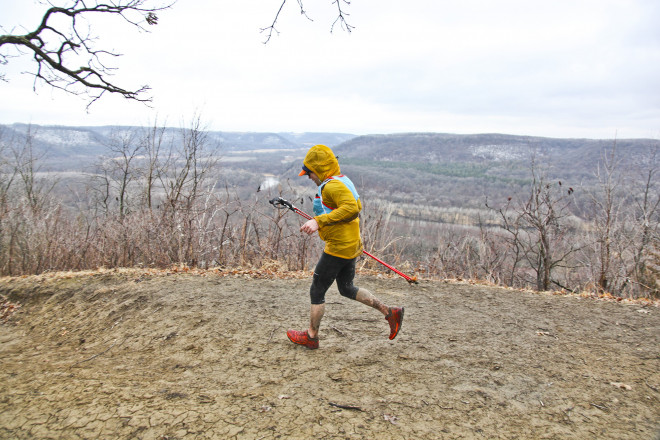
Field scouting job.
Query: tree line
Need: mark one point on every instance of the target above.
(154, 200)
(157, 199)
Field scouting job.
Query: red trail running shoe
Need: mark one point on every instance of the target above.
(302, 338)
(395, 317)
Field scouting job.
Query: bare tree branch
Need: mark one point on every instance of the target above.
(271, 28)
(57, 49)
(341, 18)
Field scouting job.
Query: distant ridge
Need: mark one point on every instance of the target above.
(82, 141)
(85, 144)
(487, 148)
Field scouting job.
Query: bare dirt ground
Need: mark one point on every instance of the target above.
(152, 355)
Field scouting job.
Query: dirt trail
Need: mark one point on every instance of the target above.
(140, 355)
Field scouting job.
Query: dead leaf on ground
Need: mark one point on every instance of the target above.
(623, 386)
(390, 418)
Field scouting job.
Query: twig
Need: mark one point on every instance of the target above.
(97, 354)
(604, 408)
(272, 29)
(351, 407)
(117, 322)
(341, 17)
(627, 325)
(271, 334)
(338, 331)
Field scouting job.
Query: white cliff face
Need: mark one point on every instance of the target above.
(59, 136)
(498, 152)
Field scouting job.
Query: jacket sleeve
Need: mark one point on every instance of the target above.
(338, 196)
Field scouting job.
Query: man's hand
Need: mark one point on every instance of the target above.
(310, 227)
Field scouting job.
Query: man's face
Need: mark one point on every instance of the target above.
(315, 178)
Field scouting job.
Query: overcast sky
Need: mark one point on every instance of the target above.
(561, 68)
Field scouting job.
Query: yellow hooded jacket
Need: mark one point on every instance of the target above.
(340, 229)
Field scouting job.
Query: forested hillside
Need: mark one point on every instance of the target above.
(485, 163)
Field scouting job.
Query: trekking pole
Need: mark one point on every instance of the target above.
(280, 203)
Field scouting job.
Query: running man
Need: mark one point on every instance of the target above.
(336, 209)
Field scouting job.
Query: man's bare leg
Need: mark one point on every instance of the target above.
(315, 315)
(393, 315)
(367, 298)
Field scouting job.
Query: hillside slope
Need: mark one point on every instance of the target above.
(145, 355)
(484, 160)
(486, 148)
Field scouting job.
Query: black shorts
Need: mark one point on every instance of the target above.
(329, 269)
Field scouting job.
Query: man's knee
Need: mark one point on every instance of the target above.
(347, 290)
(316, 296)
(320, 285)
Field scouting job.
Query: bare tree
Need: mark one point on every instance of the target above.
(120, 169)
(184, 176)
(606, 201)
(538, 227)
(152, 142)
(7, 176)
(187, 166)
(512, 223)
(29, 216)
(100, 188)
(63, 40)
(646, 222)
(27, 164)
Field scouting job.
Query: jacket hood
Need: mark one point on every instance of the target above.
(322, 161)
